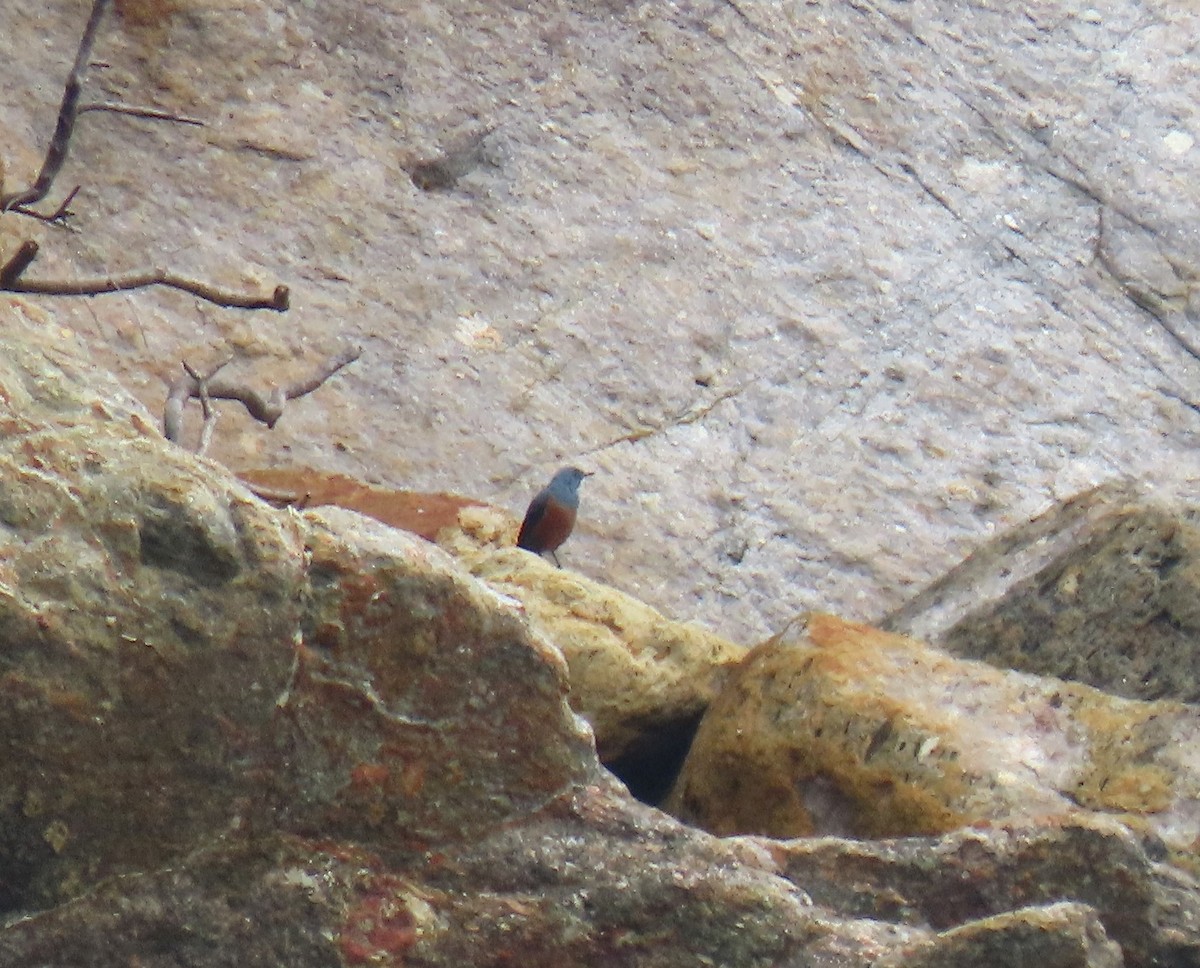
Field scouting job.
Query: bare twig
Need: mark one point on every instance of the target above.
(56, 155)
(135, 111)
(266, 407)
(11, 271)
(11, 281)
(210, 417)
(68, 111)
(59, 215)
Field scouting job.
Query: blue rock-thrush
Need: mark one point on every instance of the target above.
(551, 514)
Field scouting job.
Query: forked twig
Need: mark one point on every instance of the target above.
(266, 407)
(210, 417)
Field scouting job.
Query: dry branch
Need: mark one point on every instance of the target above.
(266, 407)
(68, 111)
(136, 111)
(210, 416)
(11, 281)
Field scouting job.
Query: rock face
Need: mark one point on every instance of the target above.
(257, 713)
(147, 623)
(826, 293)
(168, 638)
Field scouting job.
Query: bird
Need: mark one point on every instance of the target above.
(551, 514)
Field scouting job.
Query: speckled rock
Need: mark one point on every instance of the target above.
(587, 880)
(635, 674)
(306, 739)
(840, 728)
(190, 674)
(165, 631)
(1114, 600)
(421, 710)
(568, 886)
(147, 610)
(1061, 935)
(1151, 909)
(313, 740)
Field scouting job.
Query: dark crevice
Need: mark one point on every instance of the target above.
(650, 768)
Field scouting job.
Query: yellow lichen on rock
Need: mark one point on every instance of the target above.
(839, 728)
(632, 670)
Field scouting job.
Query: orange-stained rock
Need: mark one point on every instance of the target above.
(421, 710)
(421, 513)
(840, 728)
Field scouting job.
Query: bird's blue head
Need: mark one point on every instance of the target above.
(564, 485)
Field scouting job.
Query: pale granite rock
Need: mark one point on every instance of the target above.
(637, 677)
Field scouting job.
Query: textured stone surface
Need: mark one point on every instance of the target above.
(421, 709)
(1116, 606)
(1150, 909)
(147, 609)
(571, 887)
(1057, 936)
(827, 293)
(313, 740)
(635, 674)
(842, 729)
(992, 570)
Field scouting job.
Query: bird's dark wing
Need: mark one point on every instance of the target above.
(537, 509)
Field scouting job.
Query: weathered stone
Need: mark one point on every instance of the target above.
(308, 739)
(421, 709)
(576, 885)
(147, 608)
(330, 745)
(847, 730)
(635, 674)
(1150, 909)
(1056, 936)
(1114, 601)
(1017, 554)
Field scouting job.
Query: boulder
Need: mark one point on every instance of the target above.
(1101, 589)
(838, 728)
(973, 874)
